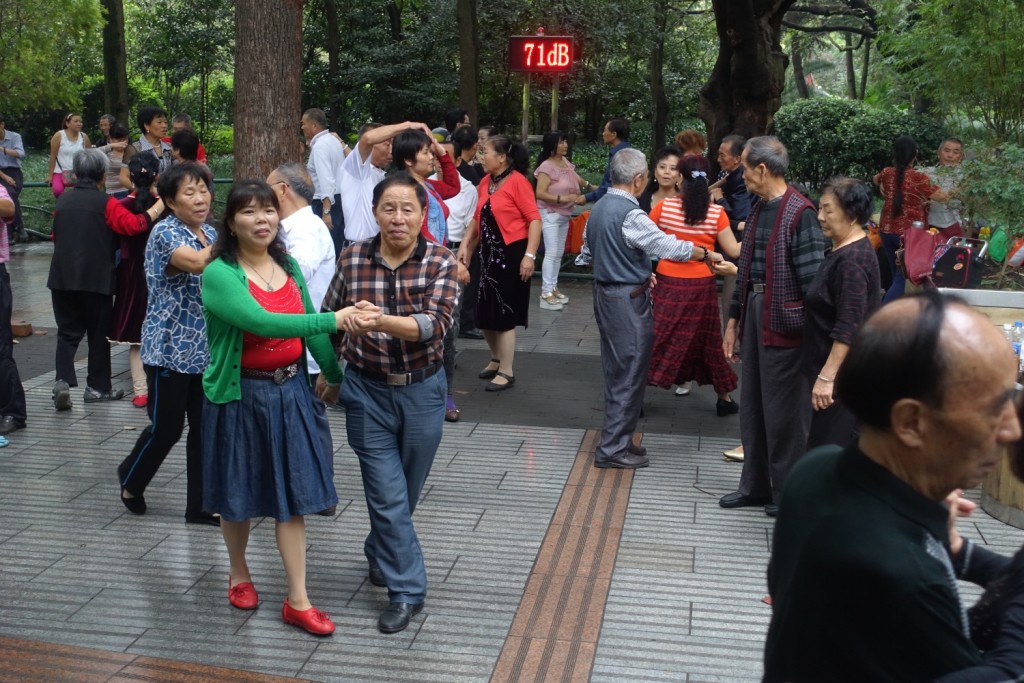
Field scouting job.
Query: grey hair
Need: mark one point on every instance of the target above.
(627, 164)
(317, 117)
(90, 165)
(769, 151)
(298, 179)
(182, 118)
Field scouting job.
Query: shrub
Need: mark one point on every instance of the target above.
(219, 140)
(829, 136)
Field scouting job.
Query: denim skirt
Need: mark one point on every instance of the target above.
(263, 455)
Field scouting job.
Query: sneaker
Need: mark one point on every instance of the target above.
(550, 302)
(61, 395)
(141, 401)
(683, 389)
(92, 396)
(561, 297)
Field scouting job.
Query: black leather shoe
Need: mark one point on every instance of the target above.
(624, 461)
(203, 518)
(396, 617)
(738, 500)
(8, 424)
(328, 512)
(376, 576)
(771, 509)
(724, 408)
(636, 450)
(471, 333)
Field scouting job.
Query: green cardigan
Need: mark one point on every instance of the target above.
(230, 309)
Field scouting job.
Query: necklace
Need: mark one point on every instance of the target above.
(273, 270)
(496, 179)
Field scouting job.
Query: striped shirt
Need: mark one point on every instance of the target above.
(671, 218)
(640, 232)
(423, 288)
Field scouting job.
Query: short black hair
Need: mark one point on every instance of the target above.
(620, 127)
(406, 145)
(852, 196)
(464, 138)
(146, 116)
(171, 180)
(453, 117)
(403, 179)
(118, 131)
(896, 359)
(187, 144)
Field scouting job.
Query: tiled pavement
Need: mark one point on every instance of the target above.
(683, 599)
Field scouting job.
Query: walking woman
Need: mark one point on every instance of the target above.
(507, 228)
(263, 453)
(130, 303)
(558, 188)
(687, 323)
(906, 191)
(174, 348)
(63, 145)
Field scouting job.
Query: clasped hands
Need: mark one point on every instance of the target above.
(359, 319)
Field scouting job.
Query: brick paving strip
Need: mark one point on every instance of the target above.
(29, 661)
(554, 634)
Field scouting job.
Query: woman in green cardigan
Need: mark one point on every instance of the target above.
(262, 453)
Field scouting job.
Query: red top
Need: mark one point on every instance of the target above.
(917, 188)
(669, 215)
(261, 353)
(514, 206)
(446, 187)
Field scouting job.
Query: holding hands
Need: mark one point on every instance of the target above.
(358, 319)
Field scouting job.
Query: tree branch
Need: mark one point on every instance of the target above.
(864, 31)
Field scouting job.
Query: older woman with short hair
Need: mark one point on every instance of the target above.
(152, 123)
(86, 225)
(842, 295)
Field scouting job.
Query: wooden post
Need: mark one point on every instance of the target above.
(554, 102)
(526, 109)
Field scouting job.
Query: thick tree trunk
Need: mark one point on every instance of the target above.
(331, 10)
(746, 84)
(799, 77)
(658, 96)
(469, 55)
(115, 65)
(267, 118)
(851, 73)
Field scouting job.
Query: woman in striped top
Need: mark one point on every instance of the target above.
(687, 322)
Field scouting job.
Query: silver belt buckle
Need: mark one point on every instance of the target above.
(398, 379)
(757, 288)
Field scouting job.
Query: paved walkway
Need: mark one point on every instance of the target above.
(541, 568)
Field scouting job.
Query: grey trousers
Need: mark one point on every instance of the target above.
(627, 334)
(775, 408)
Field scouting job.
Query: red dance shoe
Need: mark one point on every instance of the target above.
(140, 401)
(312, 620)
(243, 596)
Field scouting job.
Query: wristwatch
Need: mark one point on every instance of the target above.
(532, 257)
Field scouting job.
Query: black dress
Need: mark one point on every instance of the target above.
(504, 299)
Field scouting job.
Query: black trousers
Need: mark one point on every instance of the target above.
(14, 190)
(79, 314)
(12, 395)
(173, 396)
(467, 316)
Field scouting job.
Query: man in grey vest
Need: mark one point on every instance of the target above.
(620, 240)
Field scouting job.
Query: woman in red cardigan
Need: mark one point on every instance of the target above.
(508, 230)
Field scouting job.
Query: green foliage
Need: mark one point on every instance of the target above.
(830, 136)
(992, 186)
(46, 48)
(219, 140)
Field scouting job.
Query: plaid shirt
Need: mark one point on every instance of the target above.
(423, 287)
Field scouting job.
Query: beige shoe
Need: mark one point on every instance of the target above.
(735, 455)
(683, 389)
(561, 297)
(550, 302)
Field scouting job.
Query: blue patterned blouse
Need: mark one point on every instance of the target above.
(174, 331)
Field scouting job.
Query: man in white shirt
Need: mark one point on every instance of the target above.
(362, 169)
(308, 242)
(326, 155)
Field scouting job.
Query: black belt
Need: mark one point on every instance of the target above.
(398, 379)
(279, 376)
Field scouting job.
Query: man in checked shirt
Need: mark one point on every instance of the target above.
(394, 390)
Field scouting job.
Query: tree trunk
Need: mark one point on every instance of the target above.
(851, 73)
(331, 10)
(266, 118)
(746, 84)
(864, 69)
(799, 77)
(469, 55)
(658, 96)
(394, 20)
(115, 62)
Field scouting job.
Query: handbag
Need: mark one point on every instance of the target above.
(958, 263)
(67, 176)
(917, 257)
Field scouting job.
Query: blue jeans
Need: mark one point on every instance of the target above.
(890, 243)
(395, 432)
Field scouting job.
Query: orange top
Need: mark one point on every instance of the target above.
(668, 214)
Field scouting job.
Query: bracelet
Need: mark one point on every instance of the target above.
(826, 380)
(707, 256)
(532, 257)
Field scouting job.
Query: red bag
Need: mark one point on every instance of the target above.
(917, 257)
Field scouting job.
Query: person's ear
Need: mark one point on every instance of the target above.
(911, 421)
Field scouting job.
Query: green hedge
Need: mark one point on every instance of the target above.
(829, 136)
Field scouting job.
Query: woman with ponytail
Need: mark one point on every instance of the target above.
(130, 304)
(907, 192)
(507, 227)
(687, 322)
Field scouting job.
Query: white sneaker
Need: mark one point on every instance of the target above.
(550, 302)
(683, 389)
(561, 297)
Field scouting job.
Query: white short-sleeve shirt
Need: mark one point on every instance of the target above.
(359, 177)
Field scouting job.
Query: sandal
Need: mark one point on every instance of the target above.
(488, 373)
(511, 380)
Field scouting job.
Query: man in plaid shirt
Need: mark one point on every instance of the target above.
(394, 390)
(782, 251)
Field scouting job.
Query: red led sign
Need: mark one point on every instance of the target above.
(540, 54)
